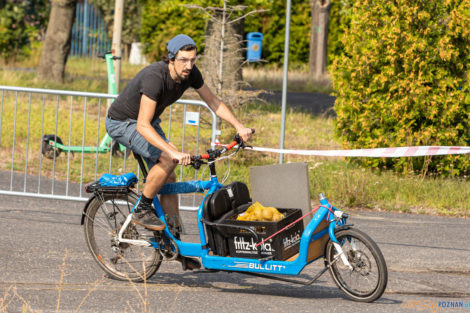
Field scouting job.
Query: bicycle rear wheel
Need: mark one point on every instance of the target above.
(367, 279)
(103, 220)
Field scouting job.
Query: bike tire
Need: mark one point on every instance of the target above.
(103, 220)
(369, 267)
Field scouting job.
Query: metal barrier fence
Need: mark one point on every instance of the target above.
(29, 167)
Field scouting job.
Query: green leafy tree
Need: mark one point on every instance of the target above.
(272, 25)
(131, 22)
(21, 22)
(164, 19)
(403, 80)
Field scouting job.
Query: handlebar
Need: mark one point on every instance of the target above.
(213, 154)
(103, 55)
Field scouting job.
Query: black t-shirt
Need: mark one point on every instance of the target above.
(155, 82)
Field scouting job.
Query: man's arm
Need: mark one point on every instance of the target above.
(223, 111)
(145, 128)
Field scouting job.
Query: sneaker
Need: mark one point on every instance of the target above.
(146, 217)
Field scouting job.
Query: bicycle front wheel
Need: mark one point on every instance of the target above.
(103, 220)
(367, 279)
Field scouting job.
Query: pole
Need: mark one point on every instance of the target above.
(117, 31)
(284, 80)
(85, 29)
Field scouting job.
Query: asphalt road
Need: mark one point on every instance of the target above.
(41, 240)
(310, 102)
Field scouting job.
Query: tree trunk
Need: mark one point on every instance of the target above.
(57, 43)
(320, 11)
(223, 55)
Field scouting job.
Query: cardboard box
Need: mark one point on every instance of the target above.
(280, 247)
(316, 248)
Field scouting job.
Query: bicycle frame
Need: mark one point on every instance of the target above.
(325, 212)
(362, 260)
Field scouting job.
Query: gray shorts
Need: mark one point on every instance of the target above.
(125, 133)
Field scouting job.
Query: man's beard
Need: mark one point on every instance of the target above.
(182, 78)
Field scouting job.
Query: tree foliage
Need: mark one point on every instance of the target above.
(272, 25)
(21, 22)
(164, 19)
(131, 20)
(403, 80)
(161, 20)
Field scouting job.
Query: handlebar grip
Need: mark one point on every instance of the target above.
(194, 157)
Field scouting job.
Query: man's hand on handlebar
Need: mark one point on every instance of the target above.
(181, 158)
(197, 160)
(245, 133)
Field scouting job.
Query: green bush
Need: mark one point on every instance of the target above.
(21, 22)
(403, 80)
(340, 19)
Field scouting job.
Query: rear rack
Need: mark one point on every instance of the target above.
(95, 187)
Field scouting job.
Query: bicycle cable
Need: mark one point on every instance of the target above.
(227, 171)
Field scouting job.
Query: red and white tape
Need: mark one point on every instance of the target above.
(374, 153)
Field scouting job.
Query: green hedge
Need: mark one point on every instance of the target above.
(403, 79)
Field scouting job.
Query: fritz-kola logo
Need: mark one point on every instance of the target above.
(290, 241)
(241, 244)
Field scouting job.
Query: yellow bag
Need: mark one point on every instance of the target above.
(257, 212)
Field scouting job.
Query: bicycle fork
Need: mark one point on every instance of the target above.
(343, 257)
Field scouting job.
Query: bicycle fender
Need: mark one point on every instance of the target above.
(86, 208)
(344, 226)
(333, 228)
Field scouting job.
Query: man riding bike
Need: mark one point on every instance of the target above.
(133, 121)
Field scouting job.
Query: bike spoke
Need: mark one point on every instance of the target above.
(100, 223)
(366, 280)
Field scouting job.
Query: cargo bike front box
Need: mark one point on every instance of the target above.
(228, 236)
(281, 247)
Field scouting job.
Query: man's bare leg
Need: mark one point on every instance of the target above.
(170, 203)
(144, 214)
(160, 174)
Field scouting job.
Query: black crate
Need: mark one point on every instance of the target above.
(280, 247)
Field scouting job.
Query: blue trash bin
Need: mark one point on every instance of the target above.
(255, 41)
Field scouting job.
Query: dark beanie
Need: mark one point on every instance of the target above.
(178, 42)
